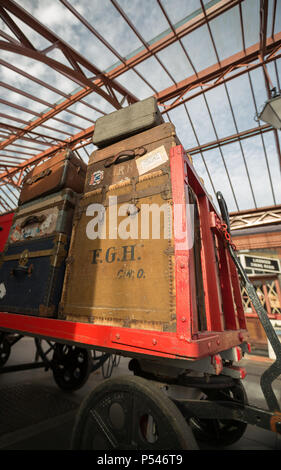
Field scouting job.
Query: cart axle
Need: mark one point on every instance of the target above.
(230, 410)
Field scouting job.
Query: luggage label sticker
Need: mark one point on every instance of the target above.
(46, 227)
(96, 177)
(152, 160)
(123, 172)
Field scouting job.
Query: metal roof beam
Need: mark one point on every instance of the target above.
(50, 151)
(169, 37)
(219, 73)
(230, 139)
(33, 23)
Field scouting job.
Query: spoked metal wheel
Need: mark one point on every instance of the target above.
(71, 365)
(45, 350)
(221, 432)
(130, 413)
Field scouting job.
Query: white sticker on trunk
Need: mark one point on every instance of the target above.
(2, 290)
(152, 160)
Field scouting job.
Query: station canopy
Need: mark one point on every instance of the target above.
(211, 65)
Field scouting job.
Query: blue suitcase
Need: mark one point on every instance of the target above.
(33, 263)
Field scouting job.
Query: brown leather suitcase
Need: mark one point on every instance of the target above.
(63, 170)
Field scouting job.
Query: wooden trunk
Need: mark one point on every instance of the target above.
(117, 281)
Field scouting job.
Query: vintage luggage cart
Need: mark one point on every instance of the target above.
(154, 408)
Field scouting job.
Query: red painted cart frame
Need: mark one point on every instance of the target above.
(226, 326)
(6, 221)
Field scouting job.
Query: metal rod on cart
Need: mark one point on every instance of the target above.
(274, 370)
(20, 367)
(270, 374)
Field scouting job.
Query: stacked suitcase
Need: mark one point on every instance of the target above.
(32, 264)
(127, 282)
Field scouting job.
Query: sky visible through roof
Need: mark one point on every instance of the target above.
(246, 172)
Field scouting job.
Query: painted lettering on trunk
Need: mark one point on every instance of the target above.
(114, 254)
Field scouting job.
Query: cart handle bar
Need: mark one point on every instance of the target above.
(274, 370)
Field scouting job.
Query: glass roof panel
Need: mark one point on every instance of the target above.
(201, 170)
(270, 17)
(36, 39)
(219, 176)
(258, 84)
(55, 124)
(29, 144)
(201, 120)
(99, 102)
(220, 110)
(237, 172)
(179, 9)
(183, 127)
(135, 84)
(176, 61)
(85, 111)
(258, 171)
(146, 16)
(121, 37)
(272, 74)
(277, 22)
(251, 21)
(200, 48)
(53, 134)
(39, 70)
(274, 164)
(227, 33)
(25, 115)
(154, 73)
(277, 25)
(242, 102)
(66, 25)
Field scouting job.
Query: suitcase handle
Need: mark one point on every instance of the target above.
(1, 228)
(41, 175)
(128, 154)
(20, 270)
(33, 219)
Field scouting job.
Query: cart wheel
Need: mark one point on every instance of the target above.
(45, 349)
(130, 413)
(71, 366)
(5, 349)
(221, 432)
